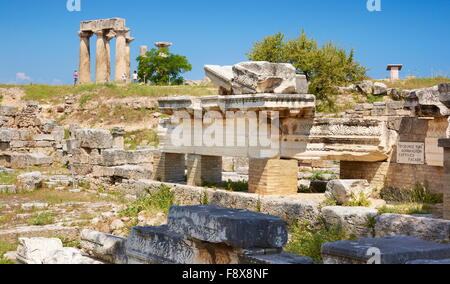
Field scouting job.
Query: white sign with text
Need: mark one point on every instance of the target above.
(411, 153)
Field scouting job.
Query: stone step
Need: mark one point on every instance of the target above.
(388, 250)
(238, 228)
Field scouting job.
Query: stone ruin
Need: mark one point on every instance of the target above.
(105, 30)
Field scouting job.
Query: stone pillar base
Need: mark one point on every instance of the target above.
(445, 143)
(273, 177)
(169, 167)
(204, 169)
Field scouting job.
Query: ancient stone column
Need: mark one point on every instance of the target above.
(101, 64)
(85, 57)
(445, 143)
(121, 55)
(128, 54)
(273, 176)
(109, 36)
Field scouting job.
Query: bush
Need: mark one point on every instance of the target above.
(307, 240)
(324, 67)
(161, 199)
(42, 219)
(162, 70)
(419, 194)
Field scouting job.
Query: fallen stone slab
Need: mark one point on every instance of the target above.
(21, 161)
(68, 256)
(344, 191)
(427, 261)
(430, 229)
(35, 250)
(116, 157)
(238, 228)
(29, 181)
(353, 220)
(387, 250)
(47, 231)
(105, 247)
(126, 172)
(275, 258)
(159, 245)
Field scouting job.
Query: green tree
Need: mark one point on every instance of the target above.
(324, 67)
(162, 70)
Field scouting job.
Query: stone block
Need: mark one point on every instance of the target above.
(344, 191)
(353, 220)
(430, 229)
(275, 258)
(8, 111)
(35, 250)
(159, 245)
(108, 248)
(204, 169)
(388, 250)
(6, 134)
(301, 83)
(94, 138)
(29, 181)
(169, 167)
(237, 228)
(132, 172)
(273, 177)
(117, 157)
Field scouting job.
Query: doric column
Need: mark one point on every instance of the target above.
(101, 64)
(445, 143)
(109, 36)
(121, 53)
(128, 55)
(85, 57)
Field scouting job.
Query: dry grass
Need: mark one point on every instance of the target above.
(417, 83)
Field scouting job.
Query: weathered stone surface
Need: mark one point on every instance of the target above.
(94, 138)
(393, 250)
(427, 261)
(275, 258)
(430, 229)
(116, 157)
(344, 191)
(158, 245)
(354, 220)
(429, 101)
(8, 110)
(68, 256)
(108, 248)
(302, 86)
(265, 77)
(29, 181)
(103, 24)
(366, 87)
(379, 89)
(238, 228)
(126, 171)
(21, 161)
(36, 250)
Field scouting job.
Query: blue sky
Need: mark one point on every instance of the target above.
(40, 43)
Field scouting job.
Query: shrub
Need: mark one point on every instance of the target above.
(359, 201)
(407, 208)
(324, 67)
(419, 194)
(162, 199)
(41, 219)
(307, 240)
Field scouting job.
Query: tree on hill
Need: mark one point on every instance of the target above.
(324, 67)
(161, 67)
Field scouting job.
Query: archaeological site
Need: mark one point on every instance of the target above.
(293, 156)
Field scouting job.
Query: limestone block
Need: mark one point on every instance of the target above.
(132, 172)
(275, 258)
(427, 101)
(103, 24)
(117, 157)
(58, 133)
(81, 169)
(35, 250)
(100, 171)
(392, 250)
(430, 229)
(301, 84)
(94, 138)
(344, 191)
(108, 248)
(238, 228)
(379, 89)
(273, 177)
(354, 220)
(8, 111)
(366, 87)
(39, 159)
(159, 245)
(29, 181)
(67, 256)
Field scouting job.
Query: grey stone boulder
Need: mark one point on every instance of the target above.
(428, 101)
(387, 250)
(365, 87)
(29, 181)
(238, 228)
(430, 229)
(94, 138)
(380, 89)
(105, 247)
(354, 220)
(344, 191)
(36, 250)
